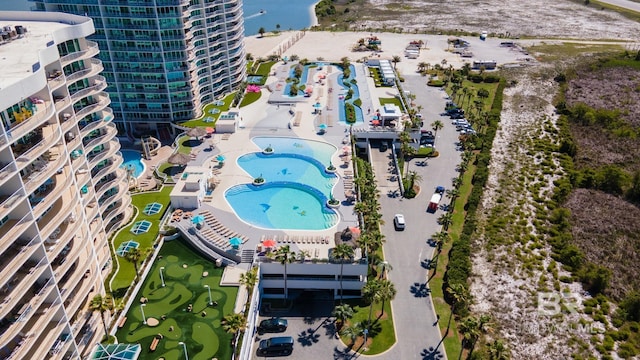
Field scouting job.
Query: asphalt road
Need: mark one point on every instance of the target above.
(407, 251)
(623, 4)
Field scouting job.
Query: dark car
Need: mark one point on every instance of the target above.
(274, 324)
(282, 345)
(457, 116)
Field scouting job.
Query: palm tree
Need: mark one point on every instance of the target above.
(470, 331)
(133, 255)
(456, 182)
(352, 332)
(261, 31)
(498, 351)
(102, 304)
(441, 237)
(459, 296)
(371, 294)
(341, 253)
(234, 324)
(249, 279)
(342, 312)
(436, 125)
(285, 256)
(387, 292)
(383, 268)
(422, 66)
(445, 220)
(396, 59)
(453, 194)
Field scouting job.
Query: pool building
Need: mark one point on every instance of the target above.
(190, 188)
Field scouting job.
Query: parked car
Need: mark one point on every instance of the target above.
(272, 325)
(459, 122)
(427, 140)
(398, 222)
(457, 116)
(281, 345)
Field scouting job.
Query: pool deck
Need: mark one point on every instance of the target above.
(273, 118)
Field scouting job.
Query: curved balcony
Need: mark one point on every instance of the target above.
(91, 90)
(91, 51)
(25, 280)
(60, 211)
(43, 113)
(56, 82)
(34, 303)
(11, 201)
(115, 211)
(89, 127)
(58, 236)
(45, 338)
(51, 134)
(62, 183)
(14, 257)
(114, 146)
(103, 187)
(92, 210)
(89, 196)
(36, 178)
(102, 102)
(110, 131)
(95, 69)
(114, 165)
(122, 188)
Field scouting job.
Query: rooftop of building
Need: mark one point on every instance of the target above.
(20, 53)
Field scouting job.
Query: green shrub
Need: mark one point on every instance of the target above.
(435, 83)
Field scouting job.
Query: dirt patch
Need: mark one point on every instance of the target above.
(535, 18)
(607, 88)
(607, 230)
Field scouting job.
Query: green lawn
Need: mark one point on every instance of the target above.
(250, 98)
(206, 112)
(185, 146)
(200, 329)
(125, 271)
(381, 336)
(393, 100)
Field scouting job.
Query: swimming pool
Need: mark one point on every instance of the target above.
(133, 159)
(356, 95)
(296, 186)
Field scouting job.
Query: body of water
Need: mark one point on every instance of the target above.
(19, 5)
(289, 14)
(133, 159)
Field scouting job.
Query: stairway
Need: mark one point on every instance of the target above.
(247, 256)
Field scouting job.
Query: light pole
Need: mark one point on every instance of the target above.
(184, 346)
(162, 276)
(210, 300)
(365, 332)
(144, 319)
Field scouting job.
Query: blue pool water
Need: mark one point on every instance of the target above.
(356, 95)
(303, 80)
(296, 190)
(133, 159)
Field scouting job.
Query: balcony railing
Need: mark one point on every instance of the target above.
(91, 51)
(14, 229)
(36, 150)
(43, 113)
(97, 87)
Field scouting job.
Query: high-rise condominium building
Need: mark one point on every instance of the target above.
(163, 59)
(62, 191)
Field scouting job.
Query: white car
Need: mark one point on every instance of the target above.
(398, 222)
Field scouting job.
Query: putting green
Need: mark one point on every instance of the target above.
(181, 307)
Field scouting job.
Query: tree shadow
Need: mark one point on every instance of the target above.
(432, 243)
(431, 354)
(191, 143)
(420, 290)
(345, 353)
(308, 337)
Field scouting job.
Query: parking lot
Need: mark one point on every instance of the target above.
(310, 325)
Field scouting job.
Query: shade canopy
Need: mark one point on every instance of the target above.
(317, 105)
(220, 158)
(355, 230)
(235, 241)
(198, 219)
(322, 126)
(196, 132)
(269, 243)
(210, 130)
(375, 122)
(178, 159)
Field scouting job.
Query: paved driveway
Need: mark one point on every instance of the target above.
(416, 329)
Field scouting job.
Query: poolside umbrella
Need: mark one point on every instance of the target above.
(210, 130)
(322, 126)
(178, 159)
(317, 105)
(355, 230)
(220, 158)
(198, 219)
(375, 122)
(235, 241)
(269, 243)
(196, 132)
